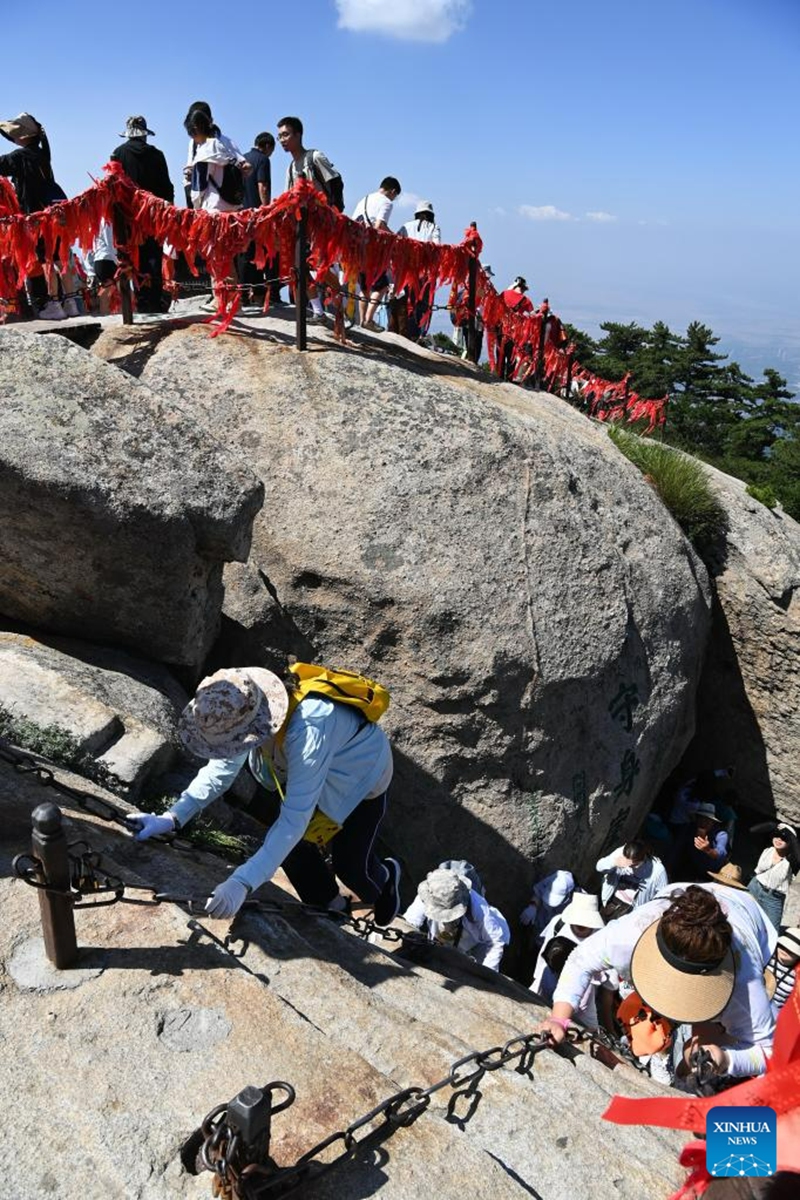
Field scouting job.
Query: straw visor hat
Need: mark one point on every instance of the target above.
(681, 991)
(233, 711)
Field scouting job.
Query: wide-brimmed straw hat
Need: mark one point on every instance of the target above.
(22, 126)
(444, 895)
(730, 875)
(583, 909)
(233, 711)
(680, 990)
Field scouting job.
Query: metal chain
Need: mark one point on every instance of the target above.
(222, 1147)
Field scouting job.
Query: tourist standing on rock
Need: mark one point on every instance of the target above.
(374, 210)
(783, 966)
(631, 876)
(451, 911)
(257, 192)
(336, 766)
(696, 956)
(517, 302)
(419, 300)
(318, 169)
(775, 870)
(30, 170)
(147, 167)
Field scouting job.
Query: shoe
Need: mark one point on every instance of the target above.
(373, 328)
(210, 305)
(387, 906)
(71, 308)
(316, 319)
(52, 311)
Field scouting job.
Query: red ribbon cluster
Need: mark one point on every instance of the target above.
(779, 1089)
(217, 238)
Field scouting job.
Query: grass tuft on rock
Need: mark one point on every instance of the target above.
(681, 482)
(58, 745)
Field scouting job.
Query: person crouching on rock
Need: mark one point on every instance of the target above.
(337, 767)
(453, 913)
(696, 956)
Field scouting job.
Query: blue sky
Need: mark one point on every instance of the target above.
(634, 159)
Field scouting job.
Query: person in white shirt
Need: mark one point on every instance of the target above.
(579, 920)
(419, 300)
(631, 876)
(374, 210)
(453, 913)
(775, 870)
(695, 955)
(201, 106)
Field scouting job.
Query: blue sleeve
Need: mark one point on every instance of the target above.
(210, 782)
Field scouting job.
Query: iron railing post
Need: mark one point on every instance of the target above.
(121, 235)
(301, 279)
(49, 846)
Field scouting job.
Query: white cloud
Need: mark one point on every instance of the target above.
(600, 216)
(498, 211)
(409, 20)
(543, 212)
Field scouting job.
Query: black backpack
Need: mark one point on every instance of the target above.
(231, 189)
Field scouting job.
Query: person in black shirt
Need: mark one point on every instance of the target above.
(147, 167)
(30, 170)
(257, 191)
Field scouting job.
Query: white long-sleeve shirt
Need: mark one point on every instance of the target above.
(774, 874)
(484, 929)
(333, 760)
(747, 1018)
(642, 882)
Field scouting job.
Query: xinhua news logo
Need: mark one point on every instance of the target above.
(741, 1141)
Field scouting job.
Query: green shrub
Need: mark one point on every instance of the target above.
(762, 492)
(680, 481)
(56, 744)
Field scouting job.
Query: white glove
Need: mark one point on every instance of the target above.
(528, 915)
(227, 898)
(147, 825)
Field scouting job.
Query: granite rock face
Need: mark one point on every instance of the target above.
(487, 554)
(749, 699)
(117, 510)
(120, 709)
(110, 1075)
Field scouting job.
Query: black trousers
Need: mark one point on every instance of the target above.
(352, 854)
(151, 294)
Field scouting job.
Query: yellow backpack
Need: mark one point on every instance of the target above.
(345, 687)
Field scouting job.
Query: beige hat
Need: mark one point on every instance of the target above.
(730, 874)
(583, 909)
(232, 712)
(22, 126)
(680, 990)
(423, 206)
(444, 895)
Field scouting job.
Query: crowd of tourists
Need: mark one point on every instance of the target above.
(219, 177)
(673, 955)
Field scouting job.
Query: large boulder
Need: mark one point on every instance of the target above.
(749, 698)
(486, 553)
(119, 709)
(117, 510)
(118, 1059)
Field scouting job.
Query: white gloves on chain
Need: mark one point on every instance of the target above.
(147, 825)
(227, 898)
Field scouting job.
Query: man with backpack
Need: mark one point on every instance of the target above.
(147, 167)
(329, 762)
(314, 166)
